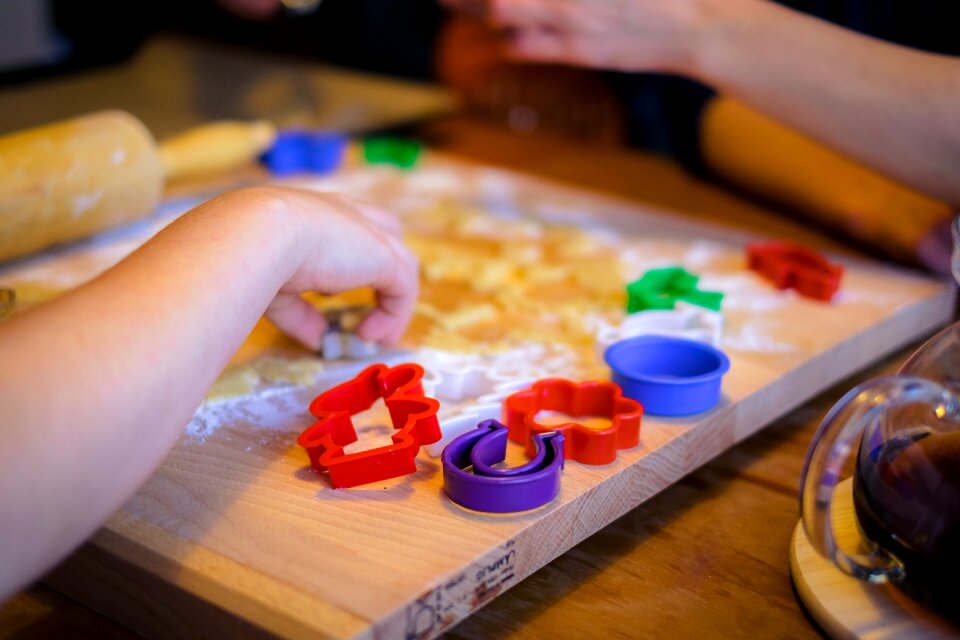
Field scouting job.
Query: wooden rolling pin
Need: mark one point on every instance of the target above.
(67, 180)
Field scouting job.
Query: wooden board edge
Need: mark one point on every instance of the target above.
(464, 592)
(895, 332)
(174, 570)
(169, 590)
(172, 582)
(435, 603)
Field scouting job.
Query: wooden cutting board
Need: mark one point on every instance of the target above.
(234, 534)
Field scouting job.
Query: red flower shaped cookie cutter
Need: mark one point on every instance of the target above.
(583, 444)
(412, 414)
(788, 264)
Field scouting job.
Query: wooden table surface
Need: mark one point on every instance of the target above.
(708, 556)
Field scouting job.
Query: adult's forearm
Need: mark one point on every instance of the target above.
(788, 168)
(889, 107)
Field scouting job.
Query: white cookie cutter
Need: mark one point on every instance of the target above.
(685, 321)
(488, 379)
(487, 407)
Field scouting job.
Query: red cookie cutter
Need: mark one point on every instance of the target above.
(412, 414)
(583, 444)
(787, 264)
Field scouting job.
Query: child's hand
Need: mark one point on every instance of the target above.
(326, 243)
(120, 364)
(347, 244)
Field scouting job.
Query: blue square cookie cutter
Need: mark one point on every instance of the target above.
(668, 376)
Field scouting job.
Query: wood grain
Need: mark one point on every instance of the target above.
(234, 535)
(735, 514)
(714, 545)
(738, 511)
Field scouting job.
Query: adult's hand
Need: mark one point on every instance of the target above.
(628, 35)
(891, 108)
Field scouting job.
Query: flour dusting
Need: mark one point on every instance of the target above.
(518, 283)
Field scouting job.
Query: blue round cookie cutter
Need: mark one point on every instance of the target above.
(668, 376)
(305, 151)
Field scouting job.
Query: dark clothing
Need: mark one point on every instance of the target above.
(924, 24)
(397, 37)
(393, 37)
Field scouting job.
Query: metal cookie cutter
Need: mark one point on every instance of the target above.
(412, 414)
(790, 265)
(494, 490)
(662, 288)
(340, 341)
(586, 445)
(300, 7)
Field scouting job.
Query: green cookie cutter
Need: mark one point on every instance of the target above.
(659, 289)
(400, 152)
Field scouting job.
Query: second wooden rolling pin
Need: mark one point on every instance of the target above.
(70, 179)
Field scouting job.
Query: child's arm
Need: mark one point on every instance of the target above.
(97, 385)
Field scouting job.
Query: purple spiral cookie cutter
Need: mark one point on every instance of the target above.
(493, 490)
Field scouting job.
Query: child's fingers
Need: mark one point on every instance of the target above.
(380, 218)
(396, 296)
(362, 249)
(385, 220)
(298, 319)
(386, 323)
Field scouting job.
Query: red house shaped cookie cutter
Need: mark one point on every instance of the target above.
(787, 265)
(583, 444)
(412, 414)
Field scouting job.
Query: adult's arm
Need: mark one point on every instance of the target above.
(97, 385)
(763, 157)
(892, 108)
